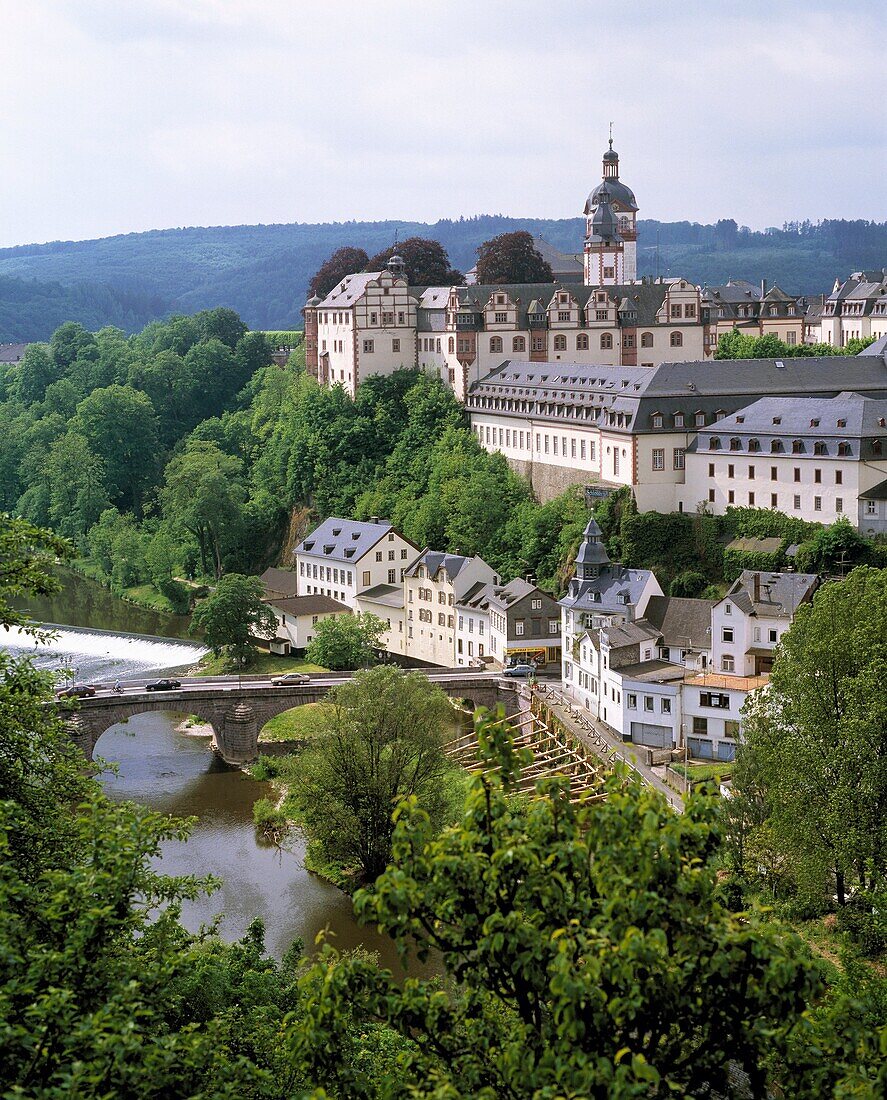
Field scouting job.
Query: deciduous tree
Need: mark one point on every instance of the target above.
(234, 615)
(346, 641)
(344, 261)
(426, 262)
(381, 741)
(120, 427)
(587, 950)
(511, 258)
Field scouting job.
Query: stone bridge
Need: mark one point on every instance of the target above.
(237, 712)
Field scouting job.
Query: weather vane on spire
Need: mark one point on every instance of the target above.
(611, 135)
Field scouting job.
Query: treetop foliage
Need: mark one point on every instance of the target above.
(511, 258)
(344, 261)
(426, 262)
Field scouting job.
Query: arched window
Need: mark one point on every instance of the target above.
(560, 342)
(714, 443)
(495, 344)
(646, 339)
(582, 341)
(820, 449)
(606, 340)
(451, 345)
(735, 444)
(754, 444)
(677, 339)
(518, 343)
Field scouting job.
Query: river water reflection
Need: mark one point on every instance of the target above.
(176, 773)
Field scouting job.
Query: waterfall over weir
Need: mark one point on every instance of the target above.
(102, 654)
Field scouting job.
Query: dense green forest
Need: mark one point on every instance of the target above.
(182, 452)
(262, 271)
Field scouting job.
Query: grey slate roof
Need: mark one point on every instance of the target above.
(616, 589)
(434, 560)
(630, 634)
(879, 347)
(280, 582)
(619, 193)
(12, 353)
(626, 399)
(877, 492)
(682, 622)
(312, 604)
(346, 293)
(780, 593)
(647, 298)
(652, 672)
(343, 539)
(391, 595)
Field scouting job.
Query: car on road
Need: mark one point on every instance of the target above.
(163, 685)
(519, 670)
(78, 691)
(291, 678)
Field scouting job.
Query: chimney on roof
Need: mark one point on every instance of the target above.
(530, 578)
(763, 287)
(756, 588)
(375, 519)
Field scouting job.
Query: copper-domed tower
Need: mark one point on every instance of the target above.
(611, 259)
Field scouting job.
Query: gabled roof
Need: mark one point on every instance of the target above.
(615, 590)
(391, 595)
(11, 353)
(877, 492)
(779, 594)
(345, 540)
(280, 582)
(683, 623)
(625, 634)
(312, 604)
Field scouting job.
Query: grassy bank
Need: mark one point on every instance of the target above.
(142, 595)
(263, 664)
(294, 725)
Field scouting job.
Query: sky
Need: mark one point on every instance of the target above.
(126, 115)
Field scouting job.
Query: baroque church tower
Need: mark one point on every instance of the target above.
(610, 229)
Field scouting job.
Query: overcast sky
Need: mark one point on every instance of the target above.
(121, 115)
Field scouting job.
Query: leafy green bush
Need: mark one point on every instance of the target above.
(266, 767)
(688, 584)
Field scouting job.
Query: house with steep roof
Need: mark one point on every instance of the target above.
(297, 619)
(562, 424)
(434, 583)
(753, 311)
(511, 623)
(343, 557)
(385, 601)
(856, 309)
(808, 457)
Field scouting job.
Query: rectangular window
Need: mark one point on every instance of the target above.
(553, 626)
(726, 633)
(658, 458)
(839, 477)
(774, 500)
(731, 728)
(518, 627)
(387, 318)
(616, 461)
(368, 347)
(665, 705)
(751, 500)
(700, 725)
(648, 703)
(678, 456)
(839, 504)
(675, 311)
(751, 473)
(563, 315)
(871, 508)
(797, 502)
(366, 577)
(731, 471)
(797, 473)
(500, 318)
(582, 448)
(395, 345)
(772, 635)
(817, 504)
(731, 496)
(817, 477)
(631, 700)
(711, 469)
(392, 576)
(774, 473)
(727, 663)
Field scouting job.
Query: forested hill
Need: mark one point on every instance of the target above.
(262, 270)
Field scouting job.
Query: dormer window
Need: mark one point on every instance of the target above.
(797, 446)
(814, 423)
(309, 546)
(842, 423)
(679, 420)
(777, 419)
(843, 450)
(657, 420)
(735, 444)
(776, 446)
(700, 419)
(754, 445)
(714, 443)
(820, 448)
(337, 531)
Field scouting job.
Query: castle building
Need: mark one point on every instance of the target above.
(611, 229)
(856, 309)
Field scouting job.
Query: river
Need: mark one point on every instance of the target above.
(174, 772)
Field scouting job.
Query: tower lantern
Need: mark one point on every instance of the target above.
(611, 232)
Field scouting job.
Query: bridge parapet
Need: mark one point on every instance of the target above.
(237, 712)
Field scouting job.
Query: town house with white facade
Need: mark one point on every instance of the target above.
(343, 557)
(562, 424)
(434, 583)
(856, 309)
(807, 457)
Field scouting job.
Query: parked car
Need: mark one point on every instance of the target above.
(163, 685)
(291, 678)
(519, 670)
(78, 691)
